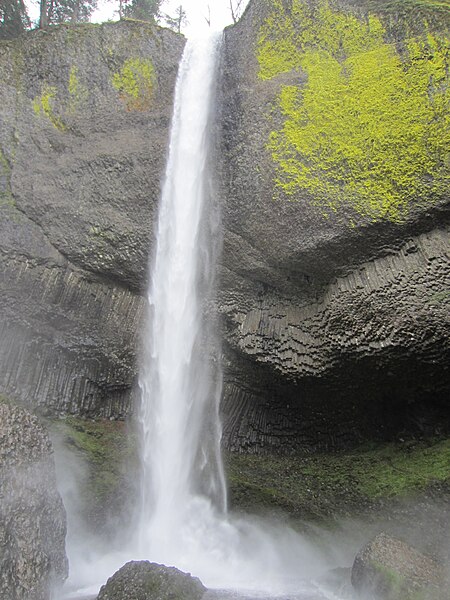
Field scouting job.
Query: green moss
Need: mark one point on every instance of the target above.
(44, 105)
(368, 129)
(107, 449)
(102, 233)
(78, 93)
(135, 83)
(440, 297)
(396, 586)
(324, 485)
(393, 584)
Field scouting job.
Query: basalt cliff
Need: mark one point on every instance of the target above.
(334, 194)
(331, 173)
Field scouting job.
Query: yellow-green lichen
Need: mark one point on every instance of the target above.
(78, 93)
(44, 105)
(135, 83)
(370, 128)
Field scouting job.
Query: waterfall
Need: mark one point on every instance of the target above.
(180, 382)
(183, 518)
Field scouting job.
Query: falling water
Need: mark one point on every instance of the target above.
(184, 521)
(179, 382)
(183, 518)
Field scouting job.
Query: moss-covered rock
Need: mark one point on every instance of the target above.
(142, 580)
(334, 172)
(109, 451)
(389, 569)
(85, 114)
(367, 125)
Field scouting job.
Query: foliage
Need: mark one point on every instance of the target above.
(178, 21)
(74, 11)
(77, 92)
(13, 18)
(66, 11)
(368, 127)
(144, 10)
(44, 105)
(135, 83)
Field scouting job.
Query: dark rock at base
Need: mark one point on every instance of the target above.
(142, 580)
(32, 517)
(388, 569)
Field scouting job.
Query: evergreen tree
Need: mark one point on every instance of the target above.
(13, 18)
(178, 21)
(66, 11)
(144, 10)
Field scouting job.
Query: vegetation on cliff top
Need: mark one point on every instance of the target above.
(368, 128)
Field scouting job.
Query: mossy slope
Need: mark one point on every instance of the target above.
(323, 486)
(108, 449)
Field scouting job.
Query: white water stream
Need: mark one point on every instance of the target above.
(183, 518)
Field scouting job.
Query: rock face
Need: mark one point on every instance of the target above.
(334, 277)
(335, 266)
(391, 570)
(84, 124)
(142, 580)
(32, 517)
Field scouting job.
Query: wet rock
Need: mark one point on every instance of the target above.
(142, 580)
(79, 186)
(32, 516)
(336, 326)
(390, 569)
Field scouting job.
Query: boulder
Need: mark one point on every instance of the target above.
(32, 517)
(143, 580)
(390, 569)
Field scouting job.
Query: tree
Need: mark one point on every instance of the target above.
(13, 18)
(236, 9)
(178, 21)
(208, 16)
(65, 11)
(143, 10)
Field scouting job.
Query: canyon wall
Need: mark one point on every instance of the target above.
(84, 126)
(331, 177)
(335, 284)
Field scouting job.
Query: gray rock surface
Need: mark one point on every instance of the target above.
(80, 175)
(32, 517)
(333, 333)
(142, 580)
(388, 569)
